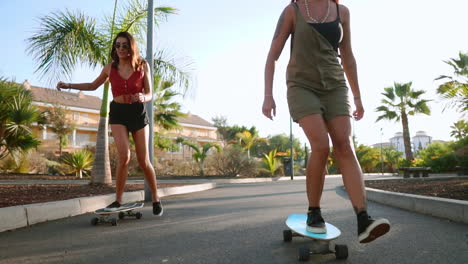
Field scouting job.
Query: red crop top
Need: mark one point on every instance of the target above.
(120, 86)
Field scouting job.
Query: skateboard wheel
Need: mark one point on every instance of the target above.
(114, 221)
(94, 221)
(287, 235)
(341, 251)
(138, 215)
(121, 215)
(304, 253)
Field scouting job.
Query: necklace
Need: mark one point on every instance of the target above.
(313, 19)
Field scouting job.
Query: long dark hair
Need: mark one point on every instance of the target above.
(294, 1)
(135, 59)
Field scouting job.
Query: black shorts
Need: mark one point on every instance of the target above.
(133, 116)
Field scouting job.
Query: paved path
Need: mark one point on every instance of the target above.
(234, 224)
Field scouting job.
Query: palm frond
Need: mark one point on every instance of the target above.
(64, 39)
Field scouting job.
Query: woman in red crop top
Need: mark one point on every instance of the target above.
(131, 88)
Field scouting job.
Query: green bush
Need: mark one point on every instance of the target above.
(440, 157)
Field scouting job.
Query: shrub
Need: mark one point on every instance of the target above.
(232, 162)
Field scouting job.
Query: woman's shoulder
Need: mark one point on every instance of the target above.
(107, 68)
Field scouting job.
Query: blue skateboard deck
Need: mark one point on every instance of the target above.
(297, 223)
(321, 243)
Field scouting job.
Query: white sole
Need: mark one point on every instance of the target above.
(317, 230)
(378, 228)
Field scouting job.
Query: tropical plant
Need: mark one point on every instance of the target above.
(16, 115)
(59, 123)
(391, 157)
(79, 162)
(66, 39)
(272, 163)
(455, 89)
(401, 101)
(368, 157)
(200, 152)
(459, 129)
(247, 140)
(438, 156)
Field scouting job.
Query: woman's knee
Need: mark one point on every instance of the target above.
(321, 150)
(124, 160)
(144, 163)
(343, 147)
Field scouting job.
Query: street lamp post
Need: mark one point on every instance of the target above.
(291, 141)
(381, 152)
(149, 105)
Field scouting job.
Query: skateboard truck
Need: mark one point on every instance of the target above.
(317, 247)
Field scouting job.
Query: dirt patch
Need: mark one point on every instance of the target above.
(453, 188)
(21, 194)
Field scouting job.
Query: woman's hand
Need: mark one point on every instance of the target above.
(359, 112)
(138, 98)
(62, 85)
(269, 107)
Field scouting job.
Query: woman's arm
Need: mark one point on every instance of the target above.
(147, 94)
(87, 86)
(284, 28)
(349, 62)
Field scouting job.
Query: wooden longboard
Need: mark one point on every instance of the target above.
(297, 223)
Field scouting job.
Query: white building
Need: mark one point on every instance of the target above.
(418, 142)
(397, 142)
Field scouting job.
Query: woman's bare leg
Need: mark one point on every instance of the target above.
(120, 134)
(341, 135)
(141, 146)
(316, 131)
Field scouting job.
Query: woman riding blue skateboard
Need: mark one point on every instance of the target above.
(131, 81)
(318, 100)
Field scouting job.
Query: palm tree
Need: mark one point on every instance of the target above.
(66, 39)
(247, 140)
(459, 129)
(201, 152)
(271, 162)
(399, 102)
(79, 161)
(455, 90)
(16, 115)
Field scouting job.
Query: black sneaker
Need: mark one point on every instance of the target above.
(370, 229)
(157, 208)
(315, 222)
(113, 206)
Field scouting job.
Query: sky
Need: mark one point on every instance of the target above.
(228, 41)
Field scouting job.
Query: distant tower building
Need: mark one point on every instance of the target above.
(421, 140)
(397, 142)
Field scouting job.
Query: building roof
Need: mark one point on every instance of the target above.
(194, 120)
(53, 96)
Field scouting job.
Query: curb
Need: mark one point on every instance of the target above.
(26, 215)
(455, 210)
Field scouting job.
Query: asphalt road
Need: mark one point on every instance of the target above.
(235, 224)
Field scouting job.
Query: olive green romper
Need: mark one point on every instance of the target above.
(314, 76)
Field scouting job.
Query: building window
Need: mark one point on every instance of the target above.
(76, 116)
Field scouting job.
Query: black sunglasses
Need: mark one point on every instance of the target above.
(123, 46)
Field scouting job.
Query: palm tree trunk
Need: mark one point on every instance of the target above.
(202, 170)
(406, 136)
(101, 173)
(60, 146)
